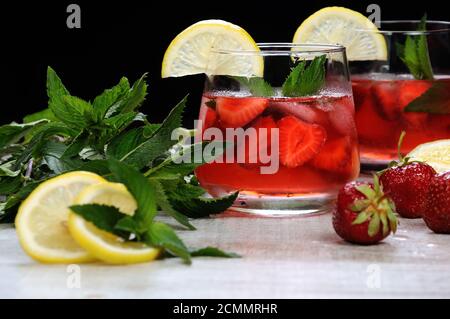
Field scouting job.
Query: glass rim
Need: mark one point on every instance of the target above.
(445, 27)
(284, 48)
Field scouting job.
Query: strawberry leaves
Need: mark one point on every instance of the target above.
(376, 208)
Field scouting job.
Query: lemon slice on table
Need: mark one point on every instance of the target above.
(41, 222)
(101, 244)
(436, 154)
(191, 51)
(337, 25)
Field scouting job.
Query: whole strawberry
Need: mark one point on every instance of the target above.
(407, 184)
(363, 214)
(437, 216)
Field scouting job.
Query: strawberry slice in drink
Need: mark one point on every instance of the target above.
(237, 111)
(299, 141)
(262, 145)
(335, 155)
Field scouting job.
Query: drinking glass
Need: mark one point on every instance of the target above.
(291, 151)
(389, 99)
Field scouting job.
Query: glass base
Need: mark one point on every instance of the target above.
(283, 206)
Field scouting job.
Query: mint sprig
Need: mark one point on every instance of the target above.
(414, 53)
(436, 100)
(110, 137)
(305, 79)
(256, 86)
(141, 189)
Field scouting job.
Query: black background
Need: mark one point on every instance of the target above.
(130, 37)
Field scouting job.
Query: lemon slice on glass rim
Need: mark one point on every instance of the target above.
(436, 154)
(101, 244)
(351, 29)
(41, 221)
(196, 50)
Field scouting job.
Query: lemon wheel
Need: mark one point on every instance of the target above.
(103, 245)
(190, 52)
(436, 154)
(41, 222)
(337, 25)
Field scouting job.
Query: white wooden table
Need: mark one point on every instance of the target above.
(282, 258)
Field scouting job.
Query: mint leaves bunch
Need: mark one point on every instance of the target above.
(304, 79)
(111, 137)
(414, 53)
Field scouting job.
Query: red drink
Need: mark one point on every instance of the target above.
(380, 116)
(318, 149)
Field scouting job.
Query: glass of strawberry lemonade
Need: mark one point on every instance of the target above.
(289, 127)
(408, 90)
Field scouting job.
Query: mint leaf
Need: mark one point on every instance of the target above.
(162, 235)
(199, 207)
(8, 208)
(436, 100)
(52, 156)
(128, 224)
(77, 144)
(6, 169)
(40, 137)
(305, 80)
(414, 53)
(102, 216)
(182, 190)
(99, 167)
(135, 96)
(109, 97)
(124, 143)
(171, 169)
(113, 126)
(55, 87)
(159, 142)
(291, 84)
(166, 206)
(256, 86)
(46, 114)
(150, 129)
(14, 132)
(10, 185)
(142, 191)
(213, 252)
(71, 110)
(121, 121)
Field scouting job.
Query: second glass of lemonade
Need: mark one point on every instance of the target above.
(396, 95)
(291, 128)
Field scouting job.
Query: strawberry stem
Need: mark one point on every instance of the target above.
(399, 146)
